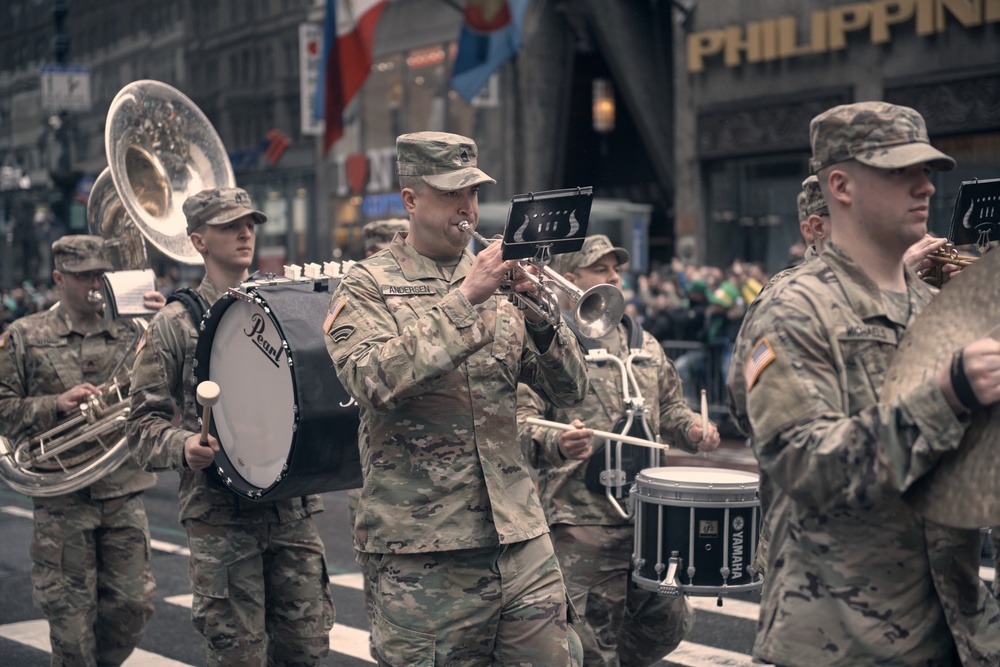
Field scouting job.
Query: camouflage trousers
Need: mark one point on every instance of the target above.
(261, 593)
(496, 606)
(353, 498)
(91, 576)
(621, 624)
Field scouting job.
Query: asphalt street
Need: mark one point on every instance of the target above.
(722, 636)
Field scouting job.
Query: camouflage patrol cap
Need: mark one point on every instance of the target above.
(80, 253)
(877, 134)
(217, 206)
(376, 235)
(800, 205)
(443, 161)
(813, 202)
(594, 248)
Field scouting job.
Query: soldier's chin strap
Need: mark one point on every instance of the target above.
(614, 472)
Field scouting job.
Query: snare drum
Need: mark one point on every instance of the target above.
(695, 530)
(286, 426)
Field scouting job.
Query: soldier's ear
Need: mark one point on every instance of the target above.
(409, 197)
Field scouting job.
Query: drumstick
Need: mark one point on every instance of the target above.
(208, 395)
(604, 434)
(704, 417)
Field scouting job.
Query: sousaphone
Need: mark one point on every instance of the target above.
(961, 490)
(161, 149)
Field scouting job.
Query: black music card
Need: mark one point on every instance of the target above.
(976, 218)
(554, 218)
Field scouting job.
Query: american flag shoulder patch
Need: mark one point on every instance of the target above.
(758, 360)
(335, 307)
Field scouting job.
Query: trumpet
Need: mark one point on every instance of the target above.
(598, 310)
(949, 255)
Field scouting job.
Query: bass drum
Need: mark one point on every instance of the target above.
(286, 426)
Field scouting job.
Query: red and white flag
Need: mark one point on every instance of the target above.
(348, 37)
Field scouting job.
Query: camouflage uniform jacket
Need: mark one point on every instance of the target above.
(436, 381)
(751, 330)
(164, 377)
(564, 493)
(41, 356)
(858, 578)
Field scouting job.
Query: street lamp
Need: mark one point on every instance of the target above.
(603, 106)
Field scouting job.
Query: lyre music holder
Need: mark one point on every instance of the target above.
(542, 224)
(976, 218)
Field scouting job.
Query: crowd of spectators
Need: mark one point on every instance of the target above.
(696, 310)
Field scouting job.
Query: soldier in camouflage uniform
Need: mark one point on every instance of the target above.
(90, 549)
(621, 624)
(856, 577)
(258, 570)
(814, 218)
(450, 532)
(375, 236)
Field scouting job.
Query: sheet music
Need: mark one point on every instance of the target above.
(124, 292)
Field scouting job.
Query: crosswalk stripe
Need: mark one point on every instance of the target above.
(690, 654)
(18, 511)
(36, 635)
(169, 547)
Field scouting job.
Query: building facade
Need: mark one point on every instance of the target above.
(244, 64)
(750, 76)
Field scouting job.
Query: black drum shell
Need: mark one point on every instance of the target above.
(725, 519)
(323, 455)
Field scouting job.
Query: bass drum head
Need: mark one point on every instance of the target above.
(247, 360)
(286, 426)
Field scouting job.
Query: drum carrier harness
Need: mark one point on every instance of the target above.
(613, 473)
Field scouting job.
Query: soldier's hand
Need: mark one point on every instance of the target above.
(980, 364)
(487, 272)
(707, 441)
(154, 300)
(73, 397)
(197, 455)
(916, 255)
(575, 443)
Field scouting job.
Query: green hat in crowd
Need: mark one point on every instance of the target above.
(725, 295)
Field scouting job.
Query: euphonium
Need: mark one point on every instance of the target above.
(598, 310)
(79, 450)
(161, 149)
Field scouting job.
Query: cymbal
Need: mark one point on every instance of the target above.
(963, 490)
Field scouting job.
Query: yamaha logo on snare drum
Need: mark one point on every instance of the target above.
(256, 336)
(736, 548)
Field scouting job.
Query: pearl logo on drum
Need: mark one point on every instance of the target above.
(256, 336)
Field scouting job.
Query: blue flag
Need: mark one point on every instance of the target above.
(491, 35)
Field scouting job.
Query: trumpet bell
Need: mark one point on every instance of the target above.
(162, 149)
(599, 310)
